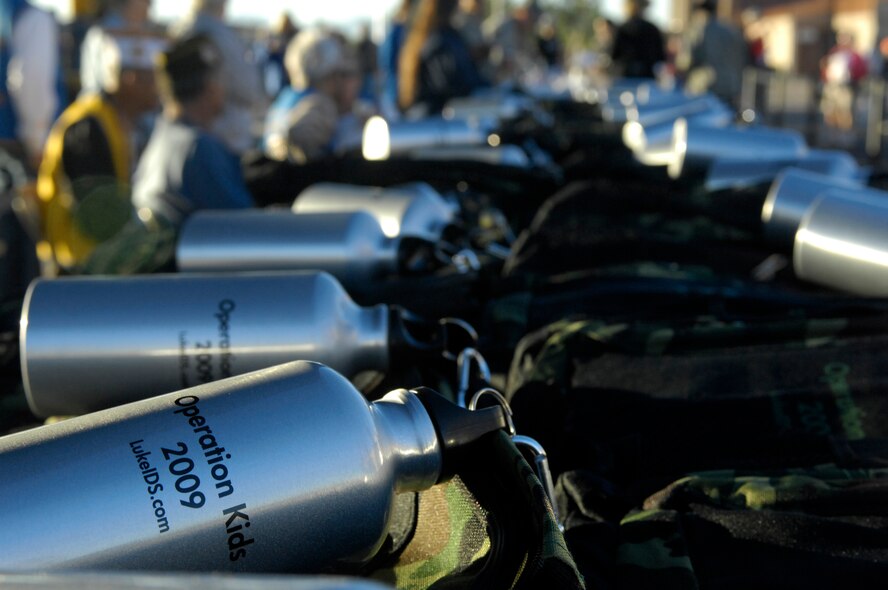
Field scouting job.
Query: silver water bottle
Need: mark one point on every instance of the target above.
(91, 343)
(696, 147)
(842, 242)
(791, 195)
(415, 210)
(288, 469)
(351, 246)
(495, 106)
(383, 139)
(834, 166)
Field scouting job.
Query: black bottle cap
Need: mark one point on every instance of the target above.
(413, 338)
(457, 427)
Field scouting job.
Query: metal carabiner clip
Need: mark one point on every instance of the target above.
(464, 328)
(540, 458)
(507, 409)
(464, 375)
(543, 473)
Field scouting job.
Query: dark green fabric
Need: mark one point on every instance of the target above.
(603, 225)
(642, 403)
(657, 293)
(817, 527)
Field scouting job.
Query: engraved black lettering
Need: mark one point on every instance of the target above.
(179, 451)
(234, 513)
(225, 488)
(152, 478)
(186, 401)
(237, 540)
(207, 441)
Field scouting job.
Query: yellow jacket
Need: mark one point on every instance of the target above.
(69, 244)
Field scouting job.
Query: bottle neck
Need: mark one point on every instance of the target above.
(409, 442)
(370, 335)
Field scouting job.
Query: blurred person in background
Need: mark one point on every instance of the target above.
(604, 30)
(714, 55)
(841, 71)
(638, 46)
(389, 56)
(276, 77)
(317, 110)
(435, 64)
(882, 58)
(368, 63)
(548, 42)
(84, 17)
(514, 51)
(468, 20)
(121, 15)
(31, 84)
(185, 166)
(84, 179)
(244, 92)
(754, 33)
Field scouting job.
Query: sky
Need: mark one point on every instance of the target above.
(342, 13)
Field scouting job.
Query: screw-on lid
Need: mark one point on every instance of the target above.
(457, 427)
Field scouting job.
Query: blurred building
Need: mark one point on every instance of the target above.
(797, 33)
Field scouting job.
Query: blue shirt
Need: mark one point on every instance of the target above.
(184, 169)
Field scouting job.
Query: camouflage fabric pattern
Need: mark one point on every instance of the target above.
(602, 225)
(796, 528)
(450, 536)
(546, 356)
(495, 508)
(644, 402)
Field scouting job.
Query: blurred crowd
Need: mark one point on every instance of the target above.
(125, 121)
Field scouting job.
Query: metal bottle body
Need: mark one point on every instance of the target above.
(842, 242)
(383, 139)
(496, 106)
(414, 210)
(695, 146)
(703, 110)
(285, 469)
(791, 196)
(350, 246)
(92, 343)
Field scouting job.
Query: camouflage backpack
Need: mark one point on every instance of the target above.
(652, 400)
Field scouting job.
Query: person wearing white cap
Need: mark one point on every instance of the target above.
(306, 118)
(83, 181)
